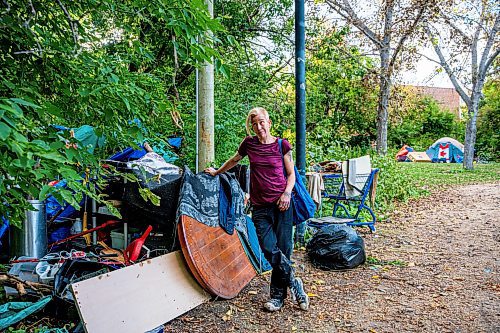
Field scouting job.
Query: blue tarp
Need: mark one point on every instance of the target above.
(13, 312)
(86, 136)
(128, 154)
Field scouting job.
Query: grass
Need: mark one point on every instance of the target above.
(400, 182)
(436, 176)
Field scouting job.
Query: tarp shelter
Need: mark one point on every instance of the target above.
(401, 156)
(446, 150)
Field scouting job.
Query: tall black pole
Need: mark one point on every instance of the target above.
(300, 86)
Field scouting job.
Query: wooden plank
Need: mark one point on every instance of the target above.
(216, 259)
(138, 298)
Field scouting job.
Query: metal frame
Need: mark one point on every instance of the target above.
(335, 190)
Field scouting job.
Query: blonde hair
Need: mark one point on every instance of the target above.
(253, 113)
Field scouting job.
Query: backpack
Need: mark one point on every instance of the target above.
(302, 203)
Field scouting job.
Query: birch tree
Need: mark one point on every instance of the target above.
(466, 50)
(387, 25)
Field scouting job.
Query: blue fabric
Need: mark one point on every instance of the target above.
(128, 154)
(58, 234)
(303, 205)
(253, 250)
(3, 227)
(53, 206)
(227, 216)
(175, 142)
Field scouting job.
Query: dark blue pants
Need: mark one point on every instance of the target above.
(274, 230)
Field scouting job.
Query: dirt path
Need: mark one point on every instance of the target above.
(441, 274)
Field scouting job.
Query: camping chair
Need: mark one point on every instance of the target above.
(349, 209)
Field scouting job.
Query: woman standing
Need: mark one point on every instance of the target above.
(270, 194)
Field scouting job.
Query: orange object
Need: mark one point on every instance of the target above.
(85, 227)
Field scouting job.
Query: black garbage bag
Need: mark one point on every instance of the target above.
(336, 246)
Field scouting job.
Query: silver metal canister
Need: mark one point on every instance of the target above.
(31, 240)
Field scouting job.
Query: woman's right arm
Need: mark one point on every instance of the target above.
(226, 166)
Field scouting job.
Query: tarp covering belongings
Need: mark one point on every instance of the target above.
(402, 155)
(446, 150)
(13, 312)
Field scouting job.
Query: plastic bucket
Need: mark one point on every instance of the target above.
(31, 240)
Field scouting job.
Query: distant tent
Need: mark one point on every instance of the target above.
(446, 150)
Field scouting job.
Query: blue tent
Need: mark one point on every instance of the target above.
(446, 150)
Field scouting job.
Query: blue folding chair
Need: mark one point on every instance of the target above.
(351, 210)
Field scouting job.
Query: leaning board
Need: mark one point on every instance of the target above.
(138, 298)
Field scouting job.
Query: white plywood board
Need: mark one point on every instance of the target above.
(138, 298)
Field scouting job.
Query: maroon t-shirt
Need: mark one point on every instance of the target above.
(267, 181)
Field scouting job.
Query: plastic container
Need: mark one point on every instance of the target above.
(76, 228)
(117, 239)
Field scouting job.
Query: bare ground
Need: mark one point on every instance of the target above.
(438, 271)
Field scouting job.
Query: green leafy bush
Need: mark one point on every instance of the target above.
(488, 124)
(421, 123)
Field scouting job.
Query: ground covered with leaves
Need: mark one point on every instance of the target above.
(432, 267)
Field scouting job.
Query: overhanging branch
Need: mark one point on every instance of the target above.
(345, 10)
(446, 67)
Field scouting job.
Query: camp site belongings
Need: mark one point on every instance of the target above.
(336, 246)
(444, 150)
(99, 282)
(162, 179)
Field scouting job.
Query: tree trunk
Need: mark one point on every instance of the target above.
(470, 134)
(206, 105)
(383, 103)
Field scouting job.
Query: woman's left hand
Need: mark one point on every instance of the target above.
(284, 201)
